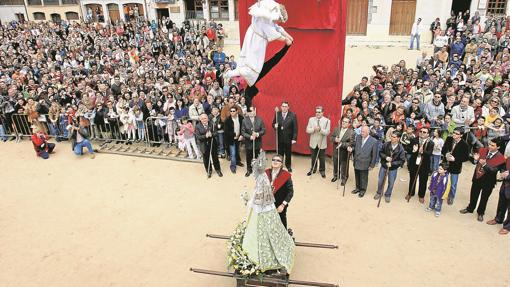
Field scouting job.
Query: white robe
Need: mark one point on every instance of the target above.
(262, 30)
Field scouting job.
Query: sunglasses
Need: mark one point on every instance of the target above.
(276, 160)
(233, 111)
(423, 132)
(456, 134)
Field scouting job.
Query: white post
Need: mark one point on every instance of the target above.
(207, 15)
(106, 14)
(231, 10)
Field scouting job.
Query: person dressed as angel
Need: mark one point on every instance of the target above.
(263, 29)
(266, 241)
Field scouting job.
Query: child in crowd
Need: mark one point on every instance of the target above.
(171, 126)
(436, 152)
(187, 132)
(140, 125)
(439, 189)
(131, 125)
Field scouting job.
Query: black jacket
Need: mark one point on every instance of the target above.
(287, 129)
(229, 135)
(460, 153)
(428, 148)
(398, 155)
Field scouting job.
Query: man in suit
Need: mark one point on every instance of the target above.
(318, 128)
(503, 202)
(233, 137)
(456, 152)
(283, 190)
(392, 156)
(488, 163)
(205, 133)
(342, 138)
(285, 124)
(419, 164)
(252, 131)
(365, 154)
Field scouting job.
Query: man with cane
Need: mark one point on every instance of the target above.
(205, 133)
(419, 164)
(342, 137)
(392, 158)
(252, 131)
(318, 128)
(285, 124)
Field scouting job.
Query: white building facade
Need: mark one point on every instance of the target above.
(12, 10)
(391, 20)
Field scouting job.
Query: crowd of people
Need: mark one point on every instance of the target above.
(433, 115)
(140, 81)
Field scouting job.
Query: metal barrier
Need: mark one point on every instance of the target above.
(7, 130)
(153, 138)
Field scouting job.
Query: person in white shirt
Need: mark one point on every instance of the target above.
(415, 34)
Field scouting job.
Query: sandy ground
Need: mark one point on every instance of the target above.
(126, 221)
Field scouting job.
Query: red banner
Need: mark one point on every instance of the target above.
(311, 73)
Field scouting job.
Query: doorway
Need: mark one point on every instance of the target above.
(461, 6)
(402, 17)
(56, 18)
(357, 17)
(162, 12)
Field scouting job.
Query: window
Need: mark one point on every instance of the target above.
(219, 9)
(34, 2)
(51, 2)
(39, 16)
(496, 7)
(72, 16)
(67, 2)
(12, 2)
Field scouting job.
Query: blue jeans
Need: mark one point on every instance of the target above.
(392, 175)
(53, 129)
(233, 155)
(453, 189)
(434, 163)
(2, 133)
(377, 156)
(78, 148)
(435, 203)
(417, 37)
(221, 146)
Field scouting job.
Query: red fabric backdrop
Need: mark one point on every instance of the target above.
(311, 73)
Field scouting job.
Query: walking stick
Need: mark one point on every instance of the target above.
(314, 166)
(338, 166)
(346, 171)
(277, 127)
(414, 182)
(210, 156)
(382, 187)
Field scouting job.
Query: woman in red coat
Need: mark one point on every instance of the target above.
(41, 145)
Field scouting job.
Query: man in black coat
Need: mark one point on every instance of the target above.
(419, 164)
(233, 137)
(205, 133)
(283, 189)
(488, 163)
(285, 124)
(456, 152)
(252, 131)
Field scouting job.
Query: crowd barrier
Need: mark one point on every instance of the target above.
(155, 136)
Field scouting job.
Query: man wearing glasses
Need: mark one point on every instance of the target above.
(283, 190)
(419, 164)
(456, 152)
(285, 124)
(318, 128)
(434, 109)
(233, 137)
